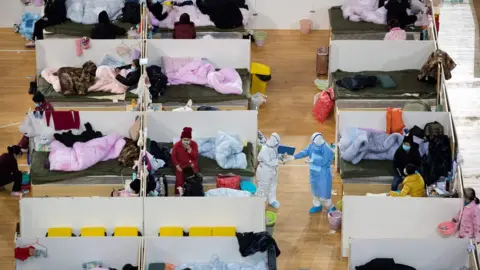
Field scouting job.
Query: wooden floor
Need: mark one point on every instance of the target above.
(305, 240)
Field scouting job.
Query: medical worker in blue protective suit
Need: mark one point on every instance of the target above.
(267, 171)
(319, 156)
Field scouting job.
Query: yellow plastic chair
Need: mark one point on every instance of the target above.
(200, 231)
(224, 231)
(60, 232)
(93, 232)
(170, 232)
(126, 232)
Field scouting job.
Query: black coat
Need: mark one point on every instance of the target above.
(55, 11)
(132, 77)
(224, 14)
(105, 29)
(402, 158)
(383, 264)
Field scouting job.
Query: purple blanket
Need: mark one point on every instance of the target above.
(224, 81)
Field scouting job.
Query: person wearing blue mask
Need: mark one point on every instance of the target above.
(267, 171)
(133, 75)
(320, 156)
(407, 153)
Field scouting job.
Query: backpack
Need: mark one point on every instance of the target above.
(193, 186)
(418, 106)
(433, 129)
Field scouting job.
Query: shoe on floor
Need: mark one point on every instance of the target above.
(315, 209)
(30, 44)
(16, 194)
(275, 204)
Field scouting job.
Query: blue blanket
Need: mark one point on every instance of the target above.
(206, 147)
(225, 148)
(360, 144)
(27, 24)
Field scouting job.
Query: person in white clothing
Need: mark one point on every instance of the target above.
(396, 33)
(267, 171)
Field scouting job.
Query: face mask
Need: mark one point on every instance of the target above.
(37, 105)
(405, 171)
(186, 142)
(465, 203)
(406, 147)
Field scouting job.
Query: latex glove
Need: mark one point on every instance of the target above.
(308, 160)
(288, 158)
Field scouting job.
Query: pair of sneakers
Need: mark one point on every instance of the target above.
(316, 209)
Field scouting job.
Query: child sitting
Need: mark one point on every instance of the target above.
(396, 33)
(184, 28)
(413, 184)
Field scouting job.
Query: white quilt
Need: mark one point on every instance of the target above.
(86, 11)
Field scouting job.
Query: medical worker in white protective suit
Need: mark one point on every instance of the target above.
(319, 156)
(267, 171)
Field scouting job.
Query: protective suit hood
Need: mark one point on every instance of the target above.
(274, 140)
(317, 138)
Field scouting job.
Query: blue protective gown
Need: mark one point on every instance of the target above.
(321, 158)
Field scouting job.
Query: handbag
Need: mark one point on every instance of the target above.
(228, 181)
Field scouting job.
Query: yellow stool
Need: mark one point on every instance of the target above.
(261, 75)
(224, 231)
(126, 232)
(93, 232)
(170, 231)
(200, 231)
(59, 232)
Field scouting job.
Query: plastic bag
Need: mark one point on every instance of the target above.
(323, 105)
(257, 100)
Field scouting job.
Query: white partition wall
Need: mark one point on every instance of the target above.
(39, 214)
(222, 53)
(421, 254)
(366, 217)
(247, 214)
(71, 253)
(182, 250)
(165, 126)
(378, 120)
(107, 122)
(378, 55)
(56, 53)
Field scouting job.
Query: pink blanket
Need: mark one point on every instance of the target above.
(106, 81)
(224, 81)
(84, 155)
(47, 74)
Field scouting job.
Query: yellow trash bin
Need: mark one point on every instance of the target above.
(261, 75)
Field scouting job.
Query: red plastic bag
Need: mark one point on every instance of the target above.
(228, 181)
(323, 105)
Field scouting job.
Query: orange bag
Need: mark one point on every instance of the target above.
(394, 121)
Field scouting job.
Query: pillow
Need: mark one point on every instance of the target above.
(173, 64)
(386, 81)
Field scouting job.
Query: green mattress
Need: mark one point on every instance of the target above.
(339, 25)
(366, 169)
(70, 28)
(209, 167)
(205, 29)
(406, 81)
(201, 94)
(47, 90)
(41, 176)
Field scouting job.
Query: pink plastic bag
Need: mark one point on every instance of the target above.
(306, 26)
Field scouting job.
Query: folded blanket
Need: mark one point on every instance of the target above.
(47, 74)
(84, 155)
(224, 81)
(229, 151)
(360, 144)
(106, 81)
(206, 147)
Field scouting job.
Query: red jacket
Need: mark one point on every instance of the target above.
(184, 31)
(181, 157)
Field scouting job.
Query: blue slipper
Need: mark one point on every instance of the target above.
(275, 204)
(315, 209)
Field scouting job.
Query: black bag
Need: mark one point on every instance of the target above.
(193, 186)
(55, 11)
(131, 13)
(158, 81)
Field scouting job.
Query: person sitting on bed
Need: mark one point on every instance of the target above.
(55, 13)
(184, 28)
(41, 105)
(396, 33)
(407, 153)
(132, 77)
(9, 172)
(184, 154)
(413, 184)
(105, 29)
